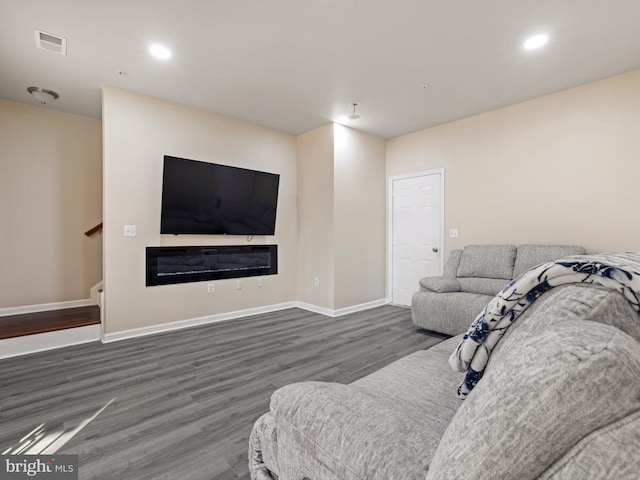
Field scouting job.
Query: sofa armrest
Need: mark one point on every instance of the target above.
(346, 430)
(449, 313)
(263, 458)
(440, 284)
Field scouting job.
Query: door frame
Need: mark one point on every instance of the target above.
(392, 179)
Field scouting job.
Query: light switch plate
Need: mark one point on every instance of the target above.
(453, 233)
(129, 230)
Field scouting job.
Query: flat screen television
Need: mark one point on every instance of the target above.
(207, 198)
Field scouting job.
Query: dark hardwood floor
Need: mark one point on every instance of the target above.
(185, 401)
(13, 326)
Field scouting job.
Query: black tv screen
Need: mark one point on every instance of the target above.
(207, 198)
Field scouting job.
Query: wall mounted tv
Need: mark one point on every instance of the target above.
(211, 199)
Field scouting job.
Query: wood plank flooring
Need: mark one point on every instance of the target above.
(185, 401)
(13, 326)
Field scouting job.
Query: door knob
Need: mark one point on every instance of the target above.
(435, 249)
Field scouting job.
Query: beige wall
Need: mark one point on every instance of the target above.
(359, 217)
(341, 217)
(316, 217)
(138, 131)
(50, 193)
(558, 169)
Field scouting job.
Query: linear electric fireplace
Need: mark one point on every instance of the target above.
(167, 265)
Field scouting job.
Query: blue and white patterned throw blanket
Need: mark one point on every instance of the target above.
(617, 271)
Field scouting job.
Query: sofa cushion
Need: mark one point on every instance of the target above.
(451, 267)
(611, 452)
(488, 261)
(419, 385)
(531, 255)
(560, 384)
(486, 286)
(386, 425)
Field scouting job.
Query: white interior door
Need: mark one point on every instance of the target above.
(416, 234)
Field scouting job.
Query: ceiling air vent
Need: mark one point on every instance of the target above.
(51, 42)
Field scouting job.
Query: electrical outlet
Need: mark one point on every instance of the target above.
(129, 230)
(211, 288)
(259, 282)
(316, 282)
(453, 233)
(238, 284)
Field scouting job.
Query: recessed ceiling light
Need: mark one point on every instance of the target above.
(536, 41)
(158, 51)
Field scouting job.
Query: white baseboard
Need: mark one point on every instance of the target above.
(13, 347)
(341, 311)
(362, 306)
(192, 322)
(43, 307)
(221, 317)
(315, 309)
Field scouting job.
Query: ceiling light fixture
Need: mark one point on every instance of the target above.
(160, 52)
(354, 115)
(535, 42)
(42, 94)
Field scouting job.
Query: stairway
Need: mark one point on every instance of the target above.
(25, 333)
(33, 332)
(32, 323)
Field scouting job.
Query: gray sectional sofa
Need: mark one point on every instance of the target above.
(472, 277)
(560, 399)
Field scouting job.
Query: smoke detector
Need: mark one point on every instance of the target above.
(51, 42)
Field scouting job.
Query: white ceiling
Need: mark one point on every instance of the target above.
(294, 65)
